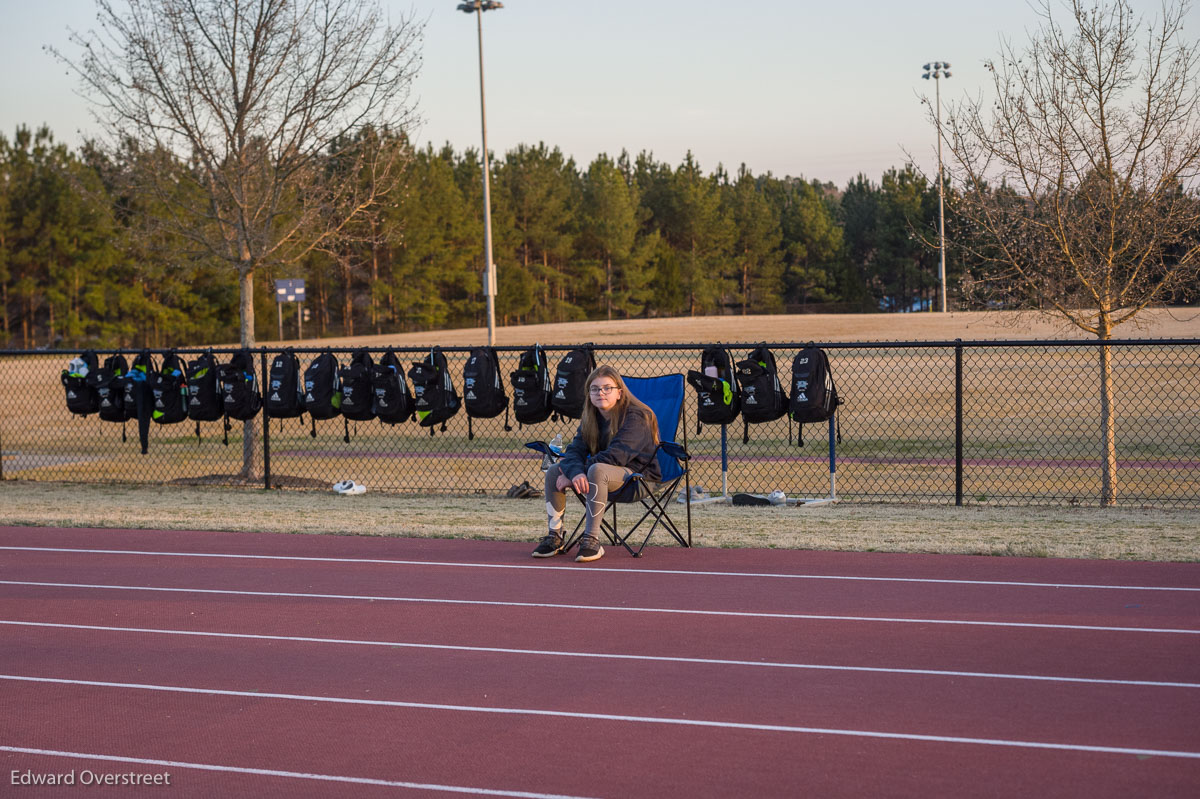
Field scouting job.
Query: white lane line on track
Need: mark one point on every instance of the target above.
(614, 608)
(608, 655)
(603, 569)
(266, 772)
(518, 711)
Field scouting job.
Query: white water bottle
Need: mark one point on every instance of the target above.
(556, 448)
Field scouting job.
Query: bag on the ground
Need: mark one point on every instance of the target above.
(762, 396)
(284, 391)
(82, 398)
(393, 400)
(814, 396)
(531, 387)
(204, 400)
(717, 398)
(169, 387)
(435, 399)
(570, 382)
(107, 379)
(322, 389)
(483, 390)
(358, 397)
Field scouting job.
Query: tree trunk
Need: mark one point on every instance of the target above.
(608, 282)
(347, 300)
(745, 286)
(1108, 437)
(374, 285)
(250, 427)
(4, 311)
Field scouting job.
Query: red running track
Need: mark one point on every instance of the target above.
(258, 664)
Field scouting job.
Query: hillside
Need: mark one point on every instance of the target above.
(825, 328)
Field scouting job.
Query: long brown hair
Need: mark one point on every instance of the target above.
(590, 423)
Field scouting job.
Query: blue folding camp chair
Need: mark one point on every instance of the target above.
(664, 396)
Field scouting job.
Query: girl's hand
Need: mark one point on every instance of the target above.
(562, 482)
(581, 484)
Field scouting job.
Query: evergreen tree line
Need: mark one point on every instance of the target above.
(622, 238)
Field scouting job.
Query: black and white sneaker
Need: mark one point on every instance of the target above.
(589, 550)
(548, 547)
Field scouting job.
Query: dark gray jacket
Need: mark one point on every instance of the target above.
(632, 446)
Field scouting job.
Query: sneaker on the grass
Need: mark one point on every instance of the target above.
(589, 550)
(549, 546)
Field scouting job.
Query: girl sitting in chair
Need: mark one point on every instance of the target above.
(617, 437)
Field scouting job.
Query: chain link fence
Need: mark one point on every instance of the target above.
(931, 422)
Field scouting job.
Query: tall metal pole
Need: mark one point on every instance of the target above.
(489, 267)
(941, 201)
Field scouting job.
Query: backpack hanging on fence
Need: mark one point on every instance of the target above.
(238, 387)
(531, 387)
(169, 387)
(358, 396)
(433, 390)
(814, 395)
(717, 397)
(203, 396)
(483, 391)
(570, 382)
(108, 380)
(322, 389)
(82, 398)
(137, 396)
(284, 393)
(393, 400)
(762, 395)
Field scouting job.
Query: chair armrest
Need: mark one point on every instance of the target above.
(676, 451)
(542, 447)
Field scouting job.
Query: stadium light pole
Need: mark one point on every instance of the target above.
(938, 70)
(477, 7)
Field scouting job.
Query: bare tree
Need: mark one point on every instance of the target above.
(1077, 180)
(254, 96)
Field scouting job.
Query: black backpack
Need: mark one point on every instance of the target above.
(814, 395)
(762, 396)
(433, 390)
(284, 396)
(358, 398)
(238, 388)
(137, 395)
(570, 382)
(108, 379)
(82, 398)
(322, 389)
(717, 398)
(483, 391)
(393, 401)
(531, 387)
(169, 385)
(204, 403)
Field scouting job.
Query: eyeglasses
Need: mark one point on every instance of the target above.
(601, 391)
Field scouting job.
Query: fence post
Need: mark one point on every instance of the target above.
(262, 387)
(958, 421)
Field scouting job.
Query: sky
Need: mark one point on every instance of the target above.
(820, 90)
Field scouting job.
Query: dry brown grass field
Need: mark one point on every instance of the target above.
(43, 445)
